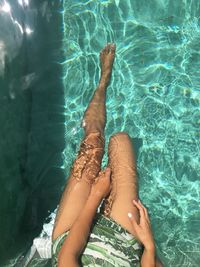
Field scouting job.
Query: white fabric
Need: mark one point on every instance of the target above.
(43, 247)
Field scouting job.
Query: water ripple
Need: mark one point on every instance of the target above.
(154, 95)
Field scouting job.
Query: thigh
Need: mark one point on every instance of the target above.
(124, 181)
(84, 171)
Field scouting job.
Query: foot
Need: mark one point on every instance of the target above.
(107, 57)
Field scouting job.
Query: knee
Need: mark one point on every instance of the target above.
(96, 139)
(119, 138)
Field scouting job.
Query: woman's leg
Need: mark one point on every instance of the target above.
(123, 181)
(88, 163)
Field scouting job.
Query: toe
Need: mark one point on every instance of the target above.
(107, 48)
(112, 48)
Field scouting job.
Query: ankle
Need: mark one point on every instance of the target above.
(104, 81)
(106, 73)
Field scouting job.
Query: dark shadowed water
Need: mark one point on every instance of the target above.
(31, 119)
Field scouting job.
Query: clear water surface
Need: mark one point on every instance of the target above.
(154, 96)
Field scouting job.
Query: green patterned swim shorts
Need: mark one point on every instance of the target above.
(109, 245)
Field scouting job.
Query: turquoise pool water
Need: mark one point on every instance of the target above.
(154, 96)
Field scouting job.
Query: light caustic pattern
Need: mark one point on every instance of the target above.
(154, 95)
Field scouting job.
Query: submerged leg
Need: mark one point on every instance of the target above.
(88, 163)
(96, 111)
(123, 181)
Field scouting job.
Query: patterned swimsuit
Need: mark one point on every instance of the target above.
(109, 245)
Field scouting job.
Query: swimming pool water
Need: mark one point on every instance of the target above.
(31, 121)
(154, 95)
